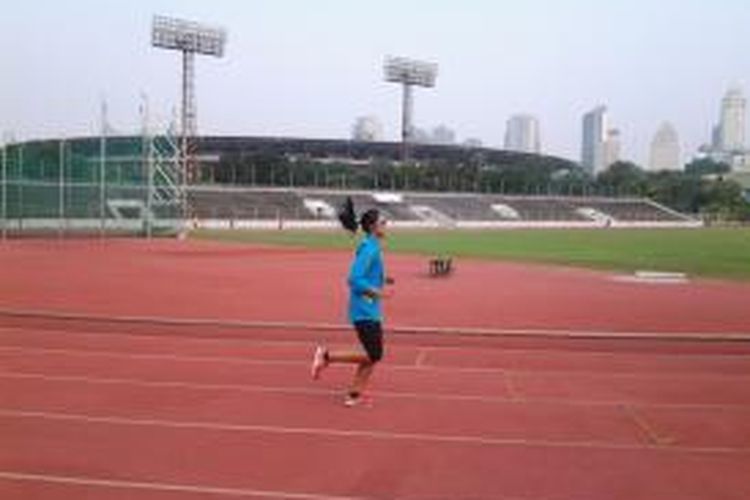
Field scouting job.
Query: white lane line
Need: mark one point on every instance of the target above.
(307, 344)
(681, 375)
(250, 388)
(157, 321)
(648, 430)
(92, 482)
(343, 433)
(512, 397)
(421, 360)
(149, 339)
(86, 353)
(420, 396)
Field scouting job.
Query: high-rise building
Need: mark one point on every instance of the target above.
(612, 147)
(595, 135)
(665, 149)
(522, 134)
(732, 121)
(728, 136)
(367, 128)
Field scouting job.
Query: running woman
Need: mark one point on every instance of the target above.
(366, 291)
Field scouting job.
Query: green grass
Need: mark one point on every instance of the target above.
(720, 252)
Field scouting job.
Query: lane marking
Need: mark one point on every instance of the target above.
(62, 333)
(86, 353)
(511, 388)
(389, 394)
(251, 388)
(308, 343)
(653, 436)
(243, 387)
(404, 329)
(166, 487)
(374, 435)
(682, 375)
(421, 358)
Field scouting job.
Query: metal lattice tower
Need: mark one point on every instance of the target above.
(409, 73)
(166, 194)
(189, 110)
(190, 38)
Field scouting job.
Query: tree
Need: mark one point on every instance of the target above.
(706, 166)
(623, 177)
(723, 201)
(677, 190)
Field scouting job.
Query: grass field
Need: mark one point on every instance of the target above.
(720, 252)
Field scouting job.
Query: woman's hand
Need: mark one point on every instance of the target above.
(378, 293)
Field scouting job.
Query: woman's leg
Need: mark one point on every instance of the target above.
(323, 357)
(361, 377)
(370, 335)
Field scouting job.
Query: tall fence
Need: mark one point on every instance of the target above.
(104, 186)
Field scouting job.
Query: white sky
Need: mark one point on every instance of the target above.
(308, 68)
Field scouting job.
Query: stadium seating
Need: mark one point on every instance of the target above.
(539, 208)
(251, 204)
(457, 207)
(630, 210)
(208, 202)
(391, 210)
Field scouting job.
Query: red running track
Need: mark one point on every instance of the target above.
(107, 414)
(239, 282)
(86, 415)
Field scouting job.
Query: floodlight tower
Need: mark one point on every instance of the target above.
(190, 38)
(409, 73)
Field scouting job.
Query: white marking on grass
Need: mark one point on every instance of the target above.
(654, 278)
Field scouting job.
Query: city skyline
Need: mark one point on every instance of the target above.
(295, 70)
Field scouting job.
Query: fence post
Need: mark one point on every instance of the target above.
(102, 169)
(20, 187)
(5, 189)
(61, 186)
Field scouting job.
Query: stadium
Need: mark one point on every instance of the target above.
(162, 296)
(133, 184)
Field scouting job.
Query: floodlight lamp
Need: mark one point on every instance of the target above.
(187, 36)
(410, 72)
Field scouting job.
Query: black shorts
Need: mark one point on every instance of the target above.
(370, 335)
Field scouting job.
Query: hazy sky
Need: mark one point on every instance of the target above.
(308, 68)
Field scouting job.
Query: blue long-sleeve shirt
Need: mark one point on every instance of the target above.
(367, 273)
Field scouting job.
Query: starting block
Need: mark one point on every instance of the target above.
(440, 266)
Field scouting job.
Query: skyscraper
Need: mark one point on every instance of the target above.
(522, 134)
(612, 147)
(732, 121)
(594, 146)
(728, 136)
(665, 149)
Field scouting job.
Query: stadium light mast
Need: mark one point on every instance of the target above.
(190, 38)
(409, 73)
